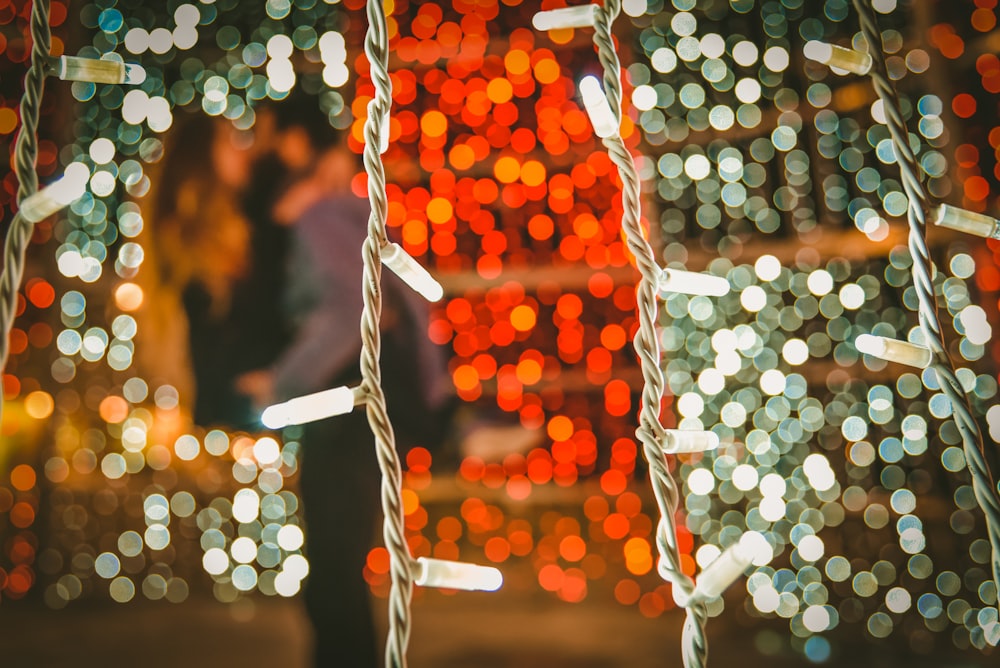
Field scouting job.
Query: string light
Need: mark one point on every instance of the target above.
(692, 283)
(816, 469)
(35, 206)
(969, 222)
(840, 59)
(677, 441)
(411, 272)
(606, 118)
(892, 350)
(312, 407)
(456, 575)
(404, 571)
(57, 195)
(581, 16)
(983, 482)
(751, 548)
(72, 68)
(25, 158)
(596, 103)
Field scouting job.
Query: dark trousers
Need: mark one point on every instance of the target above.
(339, 484)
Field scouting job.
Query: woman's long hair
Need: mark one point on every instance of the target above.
(194, 235)
(200, 234)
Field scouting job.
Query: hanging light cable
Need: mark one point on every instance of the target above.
(25, 160)
(983, 483)
(604, 107)
(404, 571)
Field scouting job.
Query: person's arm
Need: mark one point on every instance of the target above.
(328, 338)
(328, 341)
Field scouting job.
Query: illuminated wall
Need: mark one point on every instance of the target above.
(757, 164)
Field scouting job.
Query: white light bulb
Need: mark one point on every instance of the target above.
(73, 68)
(692, 283)
(456, 575)
(893, 350)
(59, 194)
(312, 407)
(598, 108)
(403, 265)
(837, 57)
(969, 222)
(729, 566)
(581, 16)
(685, 440)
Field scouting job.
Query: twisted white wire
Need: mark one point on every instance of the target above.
(983, 483)
(25, 158)
(393, 528)
(694, 644)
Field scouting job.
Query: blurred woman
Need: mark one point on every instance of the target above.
(206, 317)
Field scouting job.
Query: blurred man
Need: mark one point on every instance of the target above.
(323, 298)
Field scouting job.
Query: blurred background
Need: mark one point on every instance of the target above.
(757, 165)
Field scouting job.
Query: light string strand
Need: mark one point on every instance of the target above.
(25, 160)
(694, 644)
(393, 527)
(983, 483)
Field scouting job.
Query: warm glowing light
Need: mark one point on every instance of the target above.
(523, 318)
(113, 409)
(39, 404)
(23, 477)
(818, 472)
(290, 537)
(128, 296)
(215, 561)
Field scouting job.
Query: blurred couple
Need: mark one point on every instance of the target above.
(254, 296)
